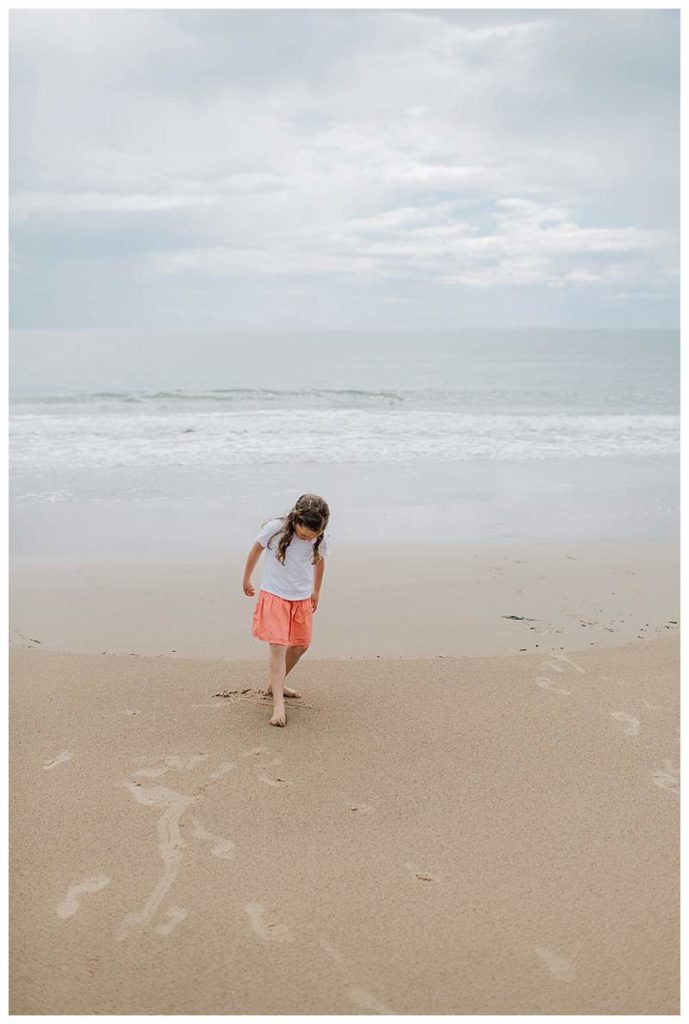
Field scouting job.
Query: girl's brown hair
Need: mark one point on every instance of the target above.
(311, 511)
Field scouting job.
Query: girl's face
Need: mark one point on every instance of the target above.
(304, 533)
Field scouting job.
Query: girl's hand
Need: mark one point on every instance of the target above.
(314, 600)
(248, 589)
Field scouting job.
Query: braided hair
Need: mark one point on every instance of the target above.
(311, 511)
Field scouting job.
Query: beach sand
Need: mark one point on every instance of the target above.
(393, 601)
(430, 833)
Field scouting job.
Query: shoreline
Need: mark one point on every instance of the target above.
(179, 511)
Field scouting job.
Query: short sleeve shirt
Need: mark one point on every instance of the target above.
(293, 580)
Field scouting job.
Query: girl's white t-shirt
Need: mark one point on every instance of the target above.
(294, 579)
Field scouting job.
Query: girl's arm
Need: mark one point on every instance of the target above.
(318, 575)
(252, 558)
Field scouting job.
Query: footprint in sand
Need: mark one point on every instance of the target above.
(360, 808)
(175, 916)
(224, 848)
(273, 782)
(613, 679)
(66, 755)
(185, 764)
(359, 996)
(223, 769)
(415, 872)
(559, 657)
(366, 1002)
(667, 778)
(548, 684)
(257, 752)
(560, 968)
(70, 904)
(632, 723)
(259, 756)
(264, 925)
(181, 764)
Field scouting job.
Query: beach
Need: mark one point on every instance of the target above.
(422, 265)
(473, 808)
(407, 283)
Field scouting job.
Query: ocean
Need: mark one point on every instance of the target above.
(467, 433)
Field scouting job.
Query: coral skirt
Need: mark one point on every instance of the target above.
(279, 621)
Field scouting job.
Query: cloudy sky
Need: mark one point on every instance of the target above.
(191, 169)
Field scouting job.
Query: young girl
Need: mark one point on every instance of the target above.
(291, 586)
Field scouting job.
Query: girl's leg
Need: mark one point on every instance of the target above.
(293, 656)
(277, 680)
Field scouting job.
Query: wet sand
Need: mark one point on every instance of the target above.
(392, 601)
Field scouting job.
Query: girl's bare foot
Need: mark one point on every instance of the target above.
(288, 692)
(278, 715)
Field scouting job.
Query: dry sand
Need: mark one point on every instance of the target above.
(467, 836)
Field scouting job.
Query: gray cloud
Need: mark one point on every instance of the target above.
(323, 168)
